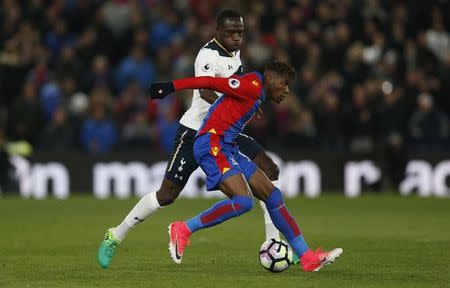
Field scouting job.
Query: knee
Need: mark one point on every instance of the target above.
(243, 204)
(272, 172)
(266, 164)
(167, 194)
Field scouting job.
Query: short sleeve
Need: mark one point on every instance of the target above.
(204, 64)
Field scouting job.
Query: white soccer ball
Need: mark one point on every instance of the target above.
(275, 255)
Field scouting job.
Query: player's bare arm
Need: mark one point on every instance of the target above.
(208, 95)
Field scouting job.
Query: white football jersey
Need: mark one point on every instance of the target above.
(212, 60)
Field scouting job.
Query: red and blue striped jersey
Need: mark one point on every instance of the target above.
(230, 113)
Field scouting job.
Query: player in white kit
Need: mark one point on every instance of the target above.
(218, 58)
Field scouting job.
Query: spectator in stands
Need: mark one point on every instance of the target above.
(99, 134)
(25, 118)
(131, 101)
(444, 81)
(116, 16)
(392, 114)
(137, 66)
(168, 116)
(98, 75)
(57, 38)
(50, 98)
(329, 122)
(360, 124)
(437, 38)
(58, 134)
(67, 65)
(428, 126)
(303, 132)
(339, 48)
(138, 133)
(13, 70)
(168, 27)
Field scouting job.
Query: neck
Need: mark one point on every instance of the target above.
(223, 47)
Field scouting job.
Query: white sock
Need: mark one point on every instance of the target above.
(271, 230)
(141, 211)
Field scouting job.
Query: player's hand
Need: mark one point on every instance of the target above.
(160, 90)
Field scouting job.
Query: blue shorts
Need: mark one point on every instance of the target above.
(182, 162)
(220, 160)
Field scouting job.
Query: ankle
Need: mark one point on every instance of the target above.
(308, 255)
(185, 229)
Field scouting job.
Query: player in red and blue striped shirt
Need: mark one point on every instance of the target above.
(230, 171)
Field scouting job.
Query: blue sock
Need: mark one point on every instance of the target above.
(220, 212)
(284, 222)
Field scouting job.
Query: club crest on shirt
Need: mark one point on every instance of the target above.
(254, 82)
(215, 150)
(234, 83)
(207, 67)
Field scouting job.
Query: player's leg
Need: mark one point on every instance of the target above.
(239, 202)
(180, 166)
(249, 147)
(147, 205)
(223, 173)
(265, 191)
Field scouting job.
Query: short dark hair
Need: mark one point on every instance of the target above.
(281, 68)
(227, 14)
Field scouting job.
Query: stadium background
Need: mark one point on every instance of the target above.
(368, 115)
(373, 79)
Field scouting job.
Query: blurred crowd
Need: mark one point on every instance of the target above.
(370, 73)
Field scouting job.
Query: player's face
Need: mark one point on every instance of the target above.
(277, 87)
(230, 33)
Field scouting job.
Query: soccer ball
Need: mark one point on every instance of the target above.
(275, 255)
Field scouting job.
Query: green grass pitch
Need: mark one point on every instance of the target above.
(388, 241)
